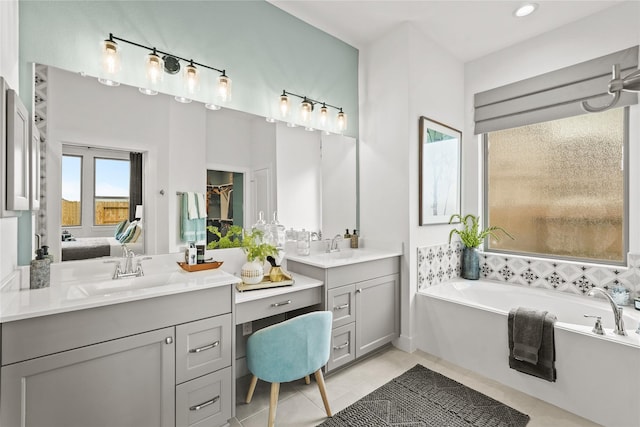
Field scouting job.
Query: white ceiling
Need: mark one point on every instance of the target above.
(468, 29)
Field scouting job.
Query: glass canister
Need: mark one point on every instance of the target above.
(303, 243)
(277, 232)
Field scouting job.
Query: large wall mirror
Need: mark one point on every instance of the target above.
(439, 171)
(308, 178)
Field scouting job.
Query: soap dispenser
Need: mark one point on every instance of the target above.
(347, 236)
(354, 240)
(40, 271)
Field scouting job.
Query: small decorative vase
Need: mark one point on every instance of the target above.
(252, 272)
(470, 263)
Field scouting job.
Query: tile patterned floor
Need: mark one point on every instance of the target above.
(300, 405)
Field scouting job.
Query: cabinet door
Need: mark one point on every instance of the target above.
(124, 382)
(343, 345)
(205, 401)
(341, 302)
(202, 347)
(377, 312)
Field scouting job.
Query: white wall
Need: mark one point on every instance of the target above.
(9, 70)
(404, 75)
(613, 29)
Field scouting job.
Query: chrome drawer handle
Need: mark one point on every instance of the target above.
(206, 347)
(358, 291)
(278, 304)
(204, 404)
(340, 307)
(340, 347)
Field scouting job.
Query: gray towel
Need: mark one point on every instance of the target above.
(545, 366)
(527, 334)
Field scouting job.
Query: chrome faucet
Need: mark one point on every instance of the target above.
(129, 270)
(617, 310)
(333, 246)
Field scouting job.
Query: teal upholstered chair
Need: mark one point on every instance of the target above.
(288, 351)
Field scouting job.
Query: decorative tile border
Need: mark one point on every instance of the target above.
(439, 263)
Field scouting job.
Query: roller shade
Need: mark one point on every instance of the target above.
(553, 95)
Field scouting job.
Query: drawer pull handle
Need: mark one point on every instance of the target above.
(340, 347)
(278, 304)
(168, 340)
(206, 347)
(204, 404)
(341, 307)
(358, 291)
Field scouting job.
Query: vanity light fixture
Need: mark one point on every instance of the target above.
(182, 99)
(147, 91)
(210, 106)
(306, 111)
(167, 63)
(525, 10)
(108, 82)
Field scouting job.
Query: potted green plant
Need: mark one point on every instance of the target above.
(472, 236)
(257, 251)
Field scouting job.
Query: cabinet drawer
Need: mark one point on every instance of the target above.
(341, 302)
(265, 307)
(352, 273)
(202, 347)
(205, 401)
(342, 346)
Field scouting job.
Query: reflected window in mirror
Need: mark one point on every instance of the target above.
(111, 191)
(71, 191)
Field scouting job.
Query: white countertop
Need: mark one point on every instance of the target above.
(17, 304)
(300, 283)
(343, 257)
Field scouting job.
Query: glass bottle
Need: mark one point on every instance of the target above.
(304, 242)
(277, 232)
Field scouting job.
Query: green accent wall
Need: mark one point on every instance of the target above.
(262, 48)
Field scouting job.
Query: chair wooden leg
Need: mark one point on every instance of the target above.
(273, 403)
(307, 380)
(323, 391)
(252, 388)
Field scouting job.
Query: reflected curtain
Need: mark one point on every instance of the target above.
(135, 183)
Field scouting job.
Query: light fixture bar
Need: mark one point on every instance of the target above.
(313, 101)
(152, 49)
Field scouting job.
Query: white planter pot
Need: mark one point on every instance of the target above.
(252, 272)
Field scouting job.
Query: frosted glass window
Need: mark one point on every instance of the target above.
(559, 187)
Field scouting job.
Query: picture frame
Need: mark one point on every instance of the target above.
(18, 149)
(440, 148)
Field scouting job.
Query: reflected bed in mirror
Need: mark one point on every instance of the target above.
(439, 177)
(179, 143)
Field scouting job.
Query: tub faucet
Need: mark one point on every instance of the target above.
(617, 310)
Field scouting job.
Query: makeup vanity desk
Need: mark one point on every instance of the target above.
(258, 304)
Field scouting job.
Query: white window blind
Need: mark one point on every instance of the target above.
(554, 95)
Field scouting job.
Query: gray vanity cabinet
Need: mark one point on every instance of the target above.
(364, 298)
(124, 382)
(160, 361)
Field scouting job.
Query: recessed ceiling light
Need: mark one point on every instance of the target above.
(525, 10)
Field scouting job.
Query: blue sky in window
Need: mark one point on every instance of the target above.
(112, 178)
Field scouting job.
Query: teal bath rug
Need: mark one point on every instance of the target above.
(422, 397)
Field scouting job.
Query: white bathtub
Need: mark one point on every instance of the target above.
(598, 377)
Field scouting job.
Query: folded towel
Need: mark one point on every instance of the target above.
(191, 230)
(202, 205)
(192, 205)
(527, 334)
(545, 366)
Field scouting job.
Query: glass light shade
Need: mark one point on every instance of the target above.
(284, 105)
(147, 91)
(213, 107)
(224, 88)
(108, 82)
(525, 10)
(306, 108)
(191, 78)
(154, 66)
(324, 115)
(110, 57)
(182, 99)
(342, 121)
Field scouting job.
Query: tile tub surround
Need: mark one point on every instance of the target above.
(439, 263)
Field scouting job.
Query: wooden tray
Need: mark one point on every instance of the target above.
(266, 283)
(200, 267)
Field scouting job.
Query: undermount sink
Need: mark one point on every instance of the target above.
(342, 254)
(112, 286)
